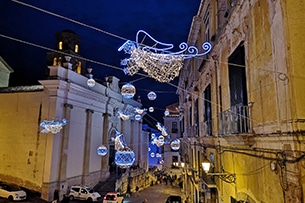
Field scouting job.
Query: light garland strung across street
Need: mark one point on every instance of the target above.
(51, 126)
(158, 63)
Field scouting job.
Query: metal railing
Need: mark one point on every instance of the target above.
(234, 120)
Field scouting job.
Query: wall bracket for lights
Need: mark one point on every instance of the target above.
(225, 176)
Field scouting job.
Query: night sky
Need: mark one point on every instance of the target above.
(28, 28)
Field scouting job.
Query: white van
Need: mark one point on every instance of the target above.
(84, 193)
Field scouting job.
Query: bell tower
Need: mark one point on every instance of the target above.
(67, 52)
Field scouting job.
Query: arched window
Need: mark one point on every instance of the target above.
(54, 61)
(60, 45)
(76, 48)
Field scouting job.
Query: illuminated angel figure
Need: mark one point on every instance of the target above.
(51, 126)
(157, 60)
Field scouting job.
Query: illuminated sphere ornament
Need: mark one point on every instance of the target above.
(166, 113)
(152, 155)
(153, 135)
(138, 117)
(151, 109)
(91, 82)
(151, 96)
(102, 150)
(128, 91)
(161, 138)
(124, 158)
(175, 144)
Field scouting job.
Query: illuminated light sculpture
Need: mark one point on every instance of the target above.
(151, 109)
(123, 116)
(128, 91)
(102, 150)
(152, 154)
(51, 126)
(157, 60)
(152, 96)
(162, 129)
(140, 111)
(124, 158)
(175, 144)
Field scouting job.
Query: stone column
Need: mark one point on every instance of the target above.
(65, 142)
(104, 163)
(87, 146)
(64, 149)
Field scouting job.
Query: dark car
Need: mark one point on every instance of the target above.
(174, 199)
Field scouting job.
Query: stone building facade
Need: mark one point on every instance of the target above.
(45, 162)
(243, 103)
(172, 125)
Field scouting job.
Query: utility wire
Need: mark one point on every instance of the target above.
(119, 37)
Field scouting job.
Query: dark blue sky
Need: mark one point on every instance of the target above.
(168, 21)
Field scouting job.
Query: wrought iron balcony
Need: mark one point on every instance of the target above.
(234, 120)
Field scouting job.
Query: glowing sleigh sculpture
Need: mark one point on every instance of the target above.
(158, 63)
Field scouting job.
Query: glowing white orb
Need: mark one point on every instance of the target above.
(102, 150)
(138, 117)
(91, 82)
(175, 144)
(151, 96)
(128, 91)
(151, 109)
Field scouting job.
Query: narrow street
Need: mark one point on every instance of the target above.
(155, 194)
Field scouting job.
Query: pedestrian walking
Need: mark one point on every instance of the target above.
(55, 196)
(128, 192)
(137, 191)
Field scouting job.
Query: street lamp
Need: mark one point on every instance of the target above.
(225, 176)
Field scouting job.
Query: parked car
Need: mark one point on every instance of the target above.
(12, 192)
(84, 193)
(113, 197)
(174, 199)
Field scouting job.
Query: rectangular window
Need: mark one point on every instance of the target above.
(236, 119)
(208, 110)
(174, 127)
(182, 127)
(196, 117)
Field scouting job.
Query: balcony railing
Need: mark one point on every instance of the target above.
(234, 120)
(205, 128)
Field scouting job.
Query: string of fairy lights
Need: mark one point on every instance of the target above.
(140, 58)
